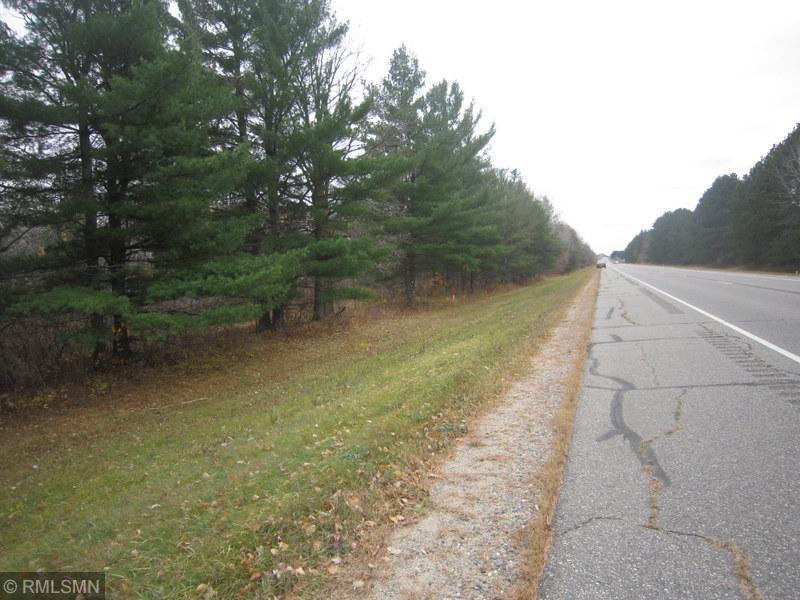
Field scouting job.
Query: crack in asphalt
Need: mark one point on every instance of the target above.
(650, 365)
(648, 457)
(588, 521)
(740, 352)
(751, 384)
(742, 570)
(618, 340)
(661, 324)
(623, 312)
(741, 561)
(655, 487)
(741, 567)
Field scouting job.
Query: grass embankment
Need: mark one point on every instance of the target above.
(251, 475)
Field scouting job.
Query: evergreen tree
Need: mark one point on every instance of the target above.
(432, 145)
(767, 209)
(106, 135)
(529, 242)
(393, 138)
(672, 238)
(638, 249)
(332, 170)
(714, 216)
(754, 221)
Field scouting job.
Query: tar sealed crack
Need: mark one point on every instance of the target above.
(741, 561)
(741, 567)
(676, 416)
(654, 486)
(623, 312)
(650, 366)
(644, 452)
(657, 479)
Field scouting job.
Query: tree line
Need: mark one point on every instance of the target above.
(752, 221)
(170, 170)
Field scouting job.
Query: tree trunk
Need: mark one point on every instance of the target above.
(273, 213)
(410, 279)
(121, 341)
(117, 258)
(271, 320)
(323, 306)
(91, 245)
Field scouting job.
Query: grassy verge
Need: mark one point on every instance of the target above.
(248, 478)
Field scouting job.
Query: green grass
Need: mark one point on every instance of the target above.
(294, 448)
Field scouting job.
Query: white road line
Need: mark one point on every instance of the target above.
(755, 338)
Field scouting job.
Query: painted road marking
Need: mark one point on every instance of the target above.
(744, 332)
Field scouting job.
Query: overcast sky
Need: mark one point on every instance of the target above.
(618, 111)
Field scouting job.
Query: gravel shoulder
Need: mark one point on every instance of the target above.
(472, 541)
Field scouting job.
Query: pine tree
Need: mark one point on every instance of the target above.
(530, 245)
(108, 120)
(393, 139)
(432, 143)
(714, 217)
(333, 171)
(281, 60)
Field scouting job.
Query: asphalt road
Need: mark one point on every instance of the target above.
(683, 479)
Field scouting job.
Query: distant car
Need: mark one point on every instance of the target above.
(601, 264)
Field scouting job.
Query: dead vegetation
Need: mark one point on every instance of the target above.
(538, 535)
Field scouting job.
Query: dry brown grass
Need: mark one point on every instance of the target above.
(538, 535)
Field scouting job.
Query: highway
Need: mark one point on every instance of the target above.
(683, 478)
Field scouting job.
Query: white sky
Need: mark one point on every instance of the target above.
(618, 111)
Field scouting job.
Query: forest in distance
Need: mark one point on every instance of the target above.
(164, 172)
(752, 221)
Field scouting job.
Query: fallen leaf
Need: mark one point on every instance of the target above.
(394, 551)
(358, 584)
